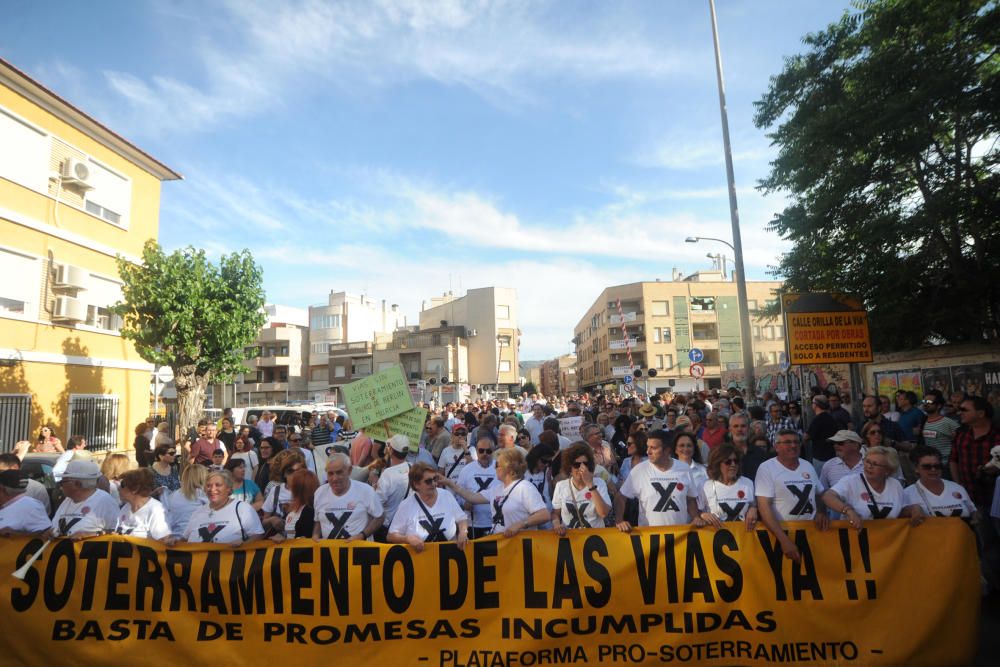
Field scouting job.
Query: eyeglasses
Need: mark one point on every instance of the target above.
(931, 466)
(731, 462)
(484, 451)
(430, 481)
(579, 464)
(876, 431)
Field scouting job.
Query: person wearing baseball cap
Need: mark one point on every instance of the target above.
(87, 511)
(394, 483)
(20, 514)
(848, 460)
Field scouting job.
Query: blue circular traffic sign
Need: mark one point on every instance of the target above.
(695, 355)
(628, 379)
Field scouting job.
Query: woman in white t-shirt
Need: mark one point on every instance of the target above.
(517, 504)
(686, 450)
(223, 520)
(180, 504)
(871, 494)
(932, 496)
(244, 450)
(428, 515)
(581, 500)
(725, 495)
(141, 515)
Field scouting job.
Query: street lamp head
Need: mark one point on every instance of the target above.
(691, 239)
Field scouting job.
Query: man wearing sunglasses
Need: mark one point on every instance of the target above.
(938, 430)
(477, 477)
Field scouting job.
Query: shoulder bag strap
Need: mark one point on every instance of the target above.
(870, 492)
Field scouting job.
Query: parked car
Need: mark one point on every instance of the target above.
(38, 467)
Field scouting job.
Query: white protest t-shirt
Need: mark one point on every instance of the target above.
(150, 521)
(729, 502)
(662, 494)
(512, 503)
(97, 514)
(345, 516)
(448, 458)
(24, 514)
(576, 507)
(540, 480)
(250, 462)
(478, 479)
(886, 505)
(953, 501)
(393, 486)
(284, 496)
(442, 526)
(795, 492)
(179, 509)
(232, 524)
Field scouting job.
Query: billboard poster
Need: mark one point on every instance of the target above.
(938, 379)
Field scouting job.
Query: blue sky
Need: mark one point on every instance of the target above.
(405, 147)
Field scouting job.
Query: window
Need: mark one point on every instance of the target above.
(361, 367)
(661, 334)
(656, 336)
(385, 365)
(504, 341)
(112, 194)
(251, 352)
(14, 413)
(96, 419)
(702, 304)
(325, 321)
(711, 358)
(503, 312)
(284, 350)
(435, 367)
(661, 308)
(318, 374)
(339, 371)
(779, 332)
(19, 284)
(665, 334)
(320, 348)
(751, 305)
(704, 331)
(100, 295)
(504, 366)
(756, 333)
(25, 155)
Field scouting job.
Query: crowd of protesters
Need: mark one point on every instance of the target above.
(565, 463)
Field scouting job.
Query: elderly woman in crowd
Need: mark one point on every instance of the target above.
(517, 505)
(593, 436)
(427, 515)
(725, 494)
(301, 517)
(931, 495)
(244, 489)
(872, 494)
(141, 515)
(223, 520)
(182, 503)
(164, 470)
(581, 500)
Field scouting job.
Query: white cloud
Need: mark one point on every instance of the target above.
(258, 54)
(689, 150)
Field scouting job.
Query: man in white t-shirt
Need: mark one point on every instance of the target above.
(536, 422)
(507, 437)
(477, 477)
(663, 485)
(19, 513)
(394, 483)
(87, 510)
(35, 489)
(455, 457)
(345, 509)
(788, 489)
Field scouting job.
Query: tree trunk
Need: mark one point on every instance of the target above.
(190, 401)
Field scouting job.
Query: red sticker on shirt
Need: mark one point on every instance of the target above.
(351, 506)
(806, 475)
(212, 527)
(680, 486)
(741, 494)
(587, 495)
(85, 510)
(865, 497)
(956, 495)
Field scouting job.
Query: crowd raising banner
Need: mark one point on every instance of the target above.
(882, 595)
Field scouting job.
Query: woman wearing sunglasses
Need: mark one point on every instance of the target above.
(427, 515)
(932, 495)
(872, 494)
(726, 495)
(581, 500)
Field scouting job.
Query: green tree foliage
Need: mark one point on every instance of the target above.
(530, 388)
(182, 311)
(887, 130)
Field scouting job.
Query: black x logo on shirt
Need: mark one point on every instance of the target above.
(666, 502)
(576, 513)
(207, 535)
(338, 532)
(65, 525)
(434, 531)
(803, 494)
(732, 513)
(483, 482)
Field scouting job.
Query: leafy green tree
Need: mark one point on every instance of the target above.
(530, 388)
(887, 131)
(182, 311)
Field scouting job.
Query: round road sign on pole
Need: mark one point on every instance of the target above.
(697, 371)
(628, 380)
(696, 355)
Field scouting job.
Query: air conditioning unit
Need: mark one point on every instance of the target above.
(77, 172)
(68, 275)
(70, 309)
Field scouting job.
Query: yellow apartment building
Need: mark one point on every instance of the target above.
(664, 320)
(73, 195)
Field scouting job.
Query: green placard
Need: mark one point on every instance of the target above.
(410, 423)
(378, 397)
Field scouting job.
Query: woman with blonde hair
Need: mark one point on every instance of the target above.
(113, 467)
(224, 520)
(873, 493)
(181, 503)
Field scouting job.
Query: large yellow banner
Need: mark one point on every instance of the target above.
(888, 595)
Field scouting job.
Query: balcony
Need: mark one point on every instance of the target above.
(339, 349)
(273, 362)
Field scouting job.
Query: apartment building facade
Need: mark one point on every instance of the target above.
(663, 321)
(558, 376)
(73, 195)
